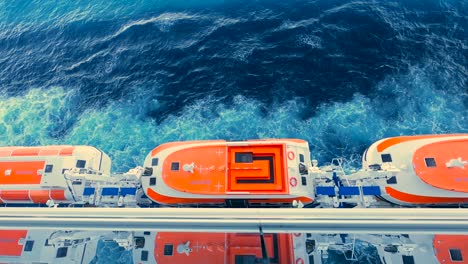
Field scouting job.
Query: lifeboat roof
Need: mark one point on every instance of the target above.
(54, 150)
(443, 164)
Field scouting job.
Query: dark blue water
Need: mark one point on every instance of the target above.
(126, 77)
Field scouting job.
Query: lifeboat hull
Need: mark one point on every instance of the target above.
(272, 171)
(35, 175)
(422, 170)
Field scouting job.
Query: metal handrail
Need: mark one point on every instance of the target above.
(362, 220)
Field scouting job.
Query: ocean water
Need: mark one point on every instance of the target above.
(126, 76)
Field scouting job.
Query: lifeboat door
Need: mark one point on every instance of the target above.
(257, 169)
(52, 174)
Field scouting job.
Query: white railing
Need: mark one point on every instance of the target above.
(362, 220)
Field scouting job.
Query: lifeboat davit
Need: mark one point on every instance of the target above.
(35, 175)
(270, 171)
(422, 170)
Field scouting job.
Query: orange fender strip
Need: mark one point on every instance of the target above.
(39, 196)
(418, 199)
(16, 195)
(26, 152)
(180, 143)
(49, 152)
(397, 140)
(58, 195)
(68, 151)
(36, 151)
(175, 200)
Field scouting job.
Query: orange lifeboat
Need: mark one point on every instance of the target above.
(34, 175)
(192, 247)
(272, 171)
(422, 170)
(221, 248)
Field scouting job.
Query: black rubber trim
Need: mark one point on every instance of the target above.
(275, 249)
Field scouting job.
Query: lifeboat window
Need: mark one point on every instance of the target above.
(144, 255)
(147, 233)
(244, 157)
(375, 167)
(430, 162)
(147, 172)
(29, 245)
(175, 166)
(154, 162)
(386, 158)
(62, 252)
(304, 181)
(303, 169)
(48, 168)
(392, 180)
(168, 250)
(301, 157)
(408, 259)
(455, 254)
(391, 249)
(152, 181)
(310, 245)
(81, 164)
(139, 242)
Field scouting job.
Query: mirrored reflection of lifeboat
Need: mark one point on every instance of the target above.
(48, 246)
(414, 249)
(234, 248)
(35, 175)
(270, 171)
(423, 170)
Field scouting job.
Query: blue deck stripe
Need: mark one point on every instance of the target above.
(349, 190)
(88, 191)
(109, 191)
(127, 191)
(371, 190)
(325, 190)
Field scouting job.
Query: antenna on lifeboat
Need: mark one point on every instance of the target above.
(184, 248)
(189, 167)
(456, 163)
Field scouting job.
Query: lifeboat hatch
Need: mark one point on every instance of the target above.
(256, 169)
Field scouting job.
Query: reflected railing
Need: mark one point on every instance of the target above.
(236, 236)
(80, 246)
